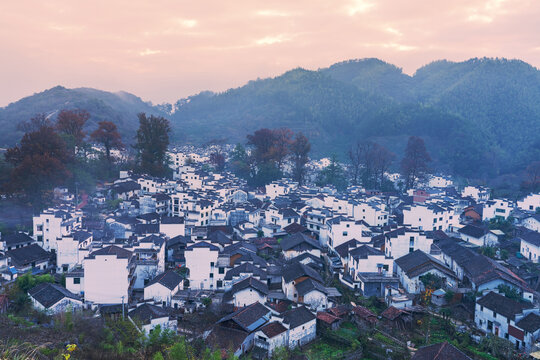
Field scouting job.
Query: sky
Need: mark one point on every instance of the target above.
(164, 50)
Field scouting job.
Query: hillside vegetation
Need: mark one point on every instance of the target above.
(479, 118)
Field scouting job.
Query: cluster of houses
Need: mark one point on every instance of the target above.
(267, 256)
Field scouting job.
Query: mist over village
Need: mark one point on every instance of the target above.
(354, 179)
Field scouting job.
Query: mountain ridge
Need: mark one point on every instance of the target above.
(480, 116)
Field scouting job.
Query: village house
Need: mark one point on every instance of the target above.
(302, 326)
(430, 217)
(147, 317)
(479, 272)
(341, 229)
(29, 258)
(530, 202)
(532, 222)
(72, 249)
(411, 267)
(52, 224)
(14, 241)
(497, 209)
(440, 351)
(530, 246)
(479, 194)
(237, 330)
(374, 212)
(478, 235)
(272, 336)
(246, 292)
(108, 275)
(404, 240)
(54, 298)
(502, 317)
(162, 288)
(297, 244)
(201, 260)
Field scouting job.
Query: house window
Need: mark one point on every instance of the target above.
(211, 264)
(211, 275)
(76, 280)
(344, 233)
(221, 270)
(494, 314)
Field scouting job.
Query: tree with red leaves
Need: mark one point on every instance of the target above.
(39, 164)
(414, 165)
(71, 124)
(107, 135)
(283, 138)
(262, 141)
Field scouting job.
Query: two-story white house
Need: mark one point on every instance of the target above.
(530, 202)
(497, 209)
(404, 240)
(201, 261)
(430, 217)
(508, 319)
(108, 275)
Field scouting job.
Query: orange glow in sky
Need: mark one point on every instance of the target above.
(167, 49)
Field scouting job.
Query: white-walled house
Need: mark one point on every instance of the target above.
(52, 224)
(411, 267)
(373, 212)
(272, 336)
(530, 246)
(163, 287)
(201, 261)
(515, 321)
(246, 292)
(478, 236)
(529, 203)
(478, 193)
(75, 281)
(302, 326)
(404, 240)
(277, 188)
(108, 273)
(297, 244)
(532, 222)
(71, 250)
(172, 226)
(149, 316)
(340, 230)
(366, 259)
(430, 217)
(53, 298)
(497, 209)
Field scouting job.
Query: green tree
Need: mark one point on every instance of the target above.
(299, 149)
(152, 143)
(179, 350)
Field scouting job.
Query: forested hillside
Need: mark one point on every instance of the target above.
(479, 117)
(121, 108)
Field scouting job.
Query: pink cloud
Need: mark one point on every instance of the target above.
(168, 49)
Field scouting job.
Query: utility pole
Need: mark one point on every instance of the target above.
(123, 316)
